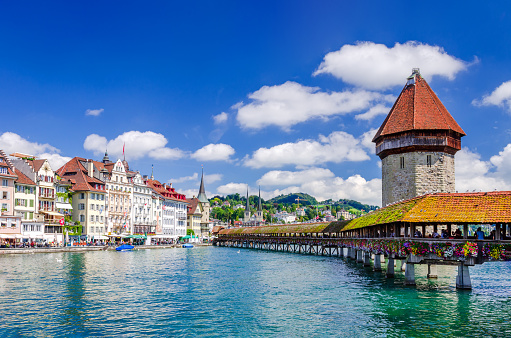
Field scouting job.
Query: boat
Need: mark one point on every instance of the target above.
(188, 245)
(125, 247)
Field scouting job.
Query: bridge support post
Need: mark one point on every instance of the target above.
(410, 274)
(360, 259)
(377, 263)
(382, 258)
(367, 258)
(432, 272)
(390, 267)
(463, 278)
(341, 251)
(403, 265)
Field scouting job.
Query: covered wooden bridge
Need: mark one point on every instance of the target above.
(431, 229)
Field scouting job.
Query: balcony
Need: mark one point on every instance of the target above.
(49, 196)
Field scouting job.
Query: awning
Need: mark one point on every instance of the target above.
(52, 213)
(59, 205)
(7, 236)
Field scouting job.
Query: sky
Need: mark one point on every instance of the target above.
(281, 95)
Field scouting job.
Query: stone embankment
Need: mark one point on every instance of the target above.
(14, 251)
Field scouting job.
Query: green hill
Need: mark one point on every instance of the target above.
(305, 199)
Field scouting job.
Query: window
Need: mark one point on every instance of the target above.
(5, 183)
(428, 160)
(92, 218)
(3, 170)
(81, 206)
(92, 207)
(5, 195)
(82, 196)
(97, 218)
(82, 218)
(402, 162)
(92, 196)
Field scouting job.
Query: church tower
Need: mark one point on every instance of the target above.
(246, 217)
(417, 143)
(206, 207)
(259, 213)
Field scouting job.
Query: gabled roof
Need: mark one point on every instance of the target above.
(193, 206)
(165, 191)
(75, 171)
(417, 108)
(5, 162)
(443, 208)
(22, 178)
(36, 164)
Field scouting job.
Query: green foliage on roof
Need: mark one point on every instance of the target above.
(278, 229)
(389, 214)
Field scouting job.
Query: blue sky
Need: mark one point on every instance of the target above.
(285, 95)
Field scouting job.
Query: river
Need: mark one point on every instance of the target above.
(211, 291)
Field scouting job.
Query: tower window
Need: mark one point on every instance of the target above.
(428, 160)
(402, 162)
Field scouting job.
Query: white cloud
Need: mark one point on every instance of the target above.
(500, 97)
(374, 111)
(472, 173)
(137, 145)
(214, 152)
(367, 140)
(232, 188)
(375, 66)
(220, 118)
(337, 147)
(94, 112)
(280, 178)
(208, 179)
(322, 186)
(292, 103)
(12, 142)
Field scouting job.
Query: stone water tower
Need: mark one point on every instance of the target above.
(416, 144)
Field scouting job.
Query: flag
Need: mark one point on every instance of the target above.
(101, 210)
(123, 145)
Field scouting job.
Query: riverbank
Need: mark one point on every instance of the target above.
(14, 251)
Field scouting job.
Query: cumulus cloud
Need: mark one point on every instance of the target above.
(376, 66)
(279, 177)
(94, 112)
(323, 185)
(211, 178)
(472, 173)
(232, 188)
(220, 118)
(367, 140)
(137, 145)
(500, 97)
(337, 147)
(12, 142)
(374, 111)
(214, 152)
(292, 103)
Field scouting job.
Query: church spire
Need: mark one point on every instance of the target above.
(259, 207)
(202, 192)
(248, 206)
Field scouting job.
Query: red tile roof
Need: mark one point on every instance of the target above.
(74, 171)
(166, 191)
(192, 207)
(22, 178)
(417, 108)
(443, 208)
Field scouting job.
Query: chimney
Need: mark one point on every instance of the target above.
(90, 168)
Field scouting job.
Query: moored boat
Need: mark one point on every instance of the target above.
(125, 247)
(187, 245)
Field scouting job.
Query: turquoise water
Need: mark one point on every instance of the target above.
(229, 292)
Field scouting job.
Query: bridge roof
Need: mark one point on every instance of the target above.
(278, 229)
(442, 208)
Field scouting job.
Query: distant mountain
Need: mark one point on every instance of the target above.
(305, 199)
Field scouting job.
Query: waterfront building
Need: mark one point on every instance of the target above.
(300, 211)
(285, 217)
(8, 177)
(169, 209)
(194, 214)
(142, 203)
(119, 190)
(88, 195)
(417, 143)
(10, 224)
(205, 208)
(25, 206)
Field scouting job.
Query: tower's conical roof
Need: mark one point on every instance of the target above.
(202, 192)
(259, 207)
(417, 108)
